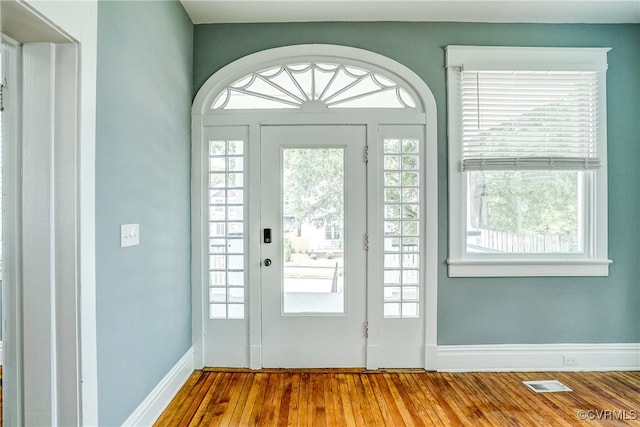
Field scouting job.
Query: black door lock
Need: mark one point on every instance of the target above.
(267, 235)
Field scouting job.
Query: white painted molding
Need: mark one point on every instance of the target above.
(255, 357)
(78, 21)
(431, 357)
(1, 353)
(373, 356)
(539, 357)
(152, 406)
(501, 58)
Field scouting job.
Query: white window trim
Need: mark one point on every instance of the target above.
(594, 261)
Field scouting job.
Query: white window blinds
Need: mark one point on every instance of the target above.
(529, 120)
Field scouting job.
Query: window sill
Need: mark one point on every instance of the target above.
(528, 268)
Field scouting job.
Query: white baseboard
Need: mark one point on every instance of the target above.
(152, 406)
(539, 357)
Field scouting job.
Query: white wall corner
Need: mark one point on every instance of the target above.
(539, 357)
(159, 398)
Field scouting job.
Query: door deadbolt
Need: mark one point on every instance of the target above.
(267, 262)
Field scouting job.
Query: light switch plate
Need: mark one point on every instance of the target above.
(129, 235)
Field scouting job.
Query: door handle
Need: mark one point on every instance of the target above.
(267, 262)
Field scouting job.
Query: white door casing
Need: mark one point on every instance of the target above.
(245, 347)
(11, 223)
(72, 398)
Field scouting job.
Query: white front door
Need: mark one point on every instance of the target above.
(313, 246)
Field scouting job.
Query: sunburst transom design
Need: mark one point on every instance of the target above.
(313, 85)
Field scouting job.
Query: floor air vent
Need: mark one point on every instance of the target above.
(549, 386)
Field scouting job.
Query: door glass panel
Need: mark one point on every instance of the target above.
(313, 231)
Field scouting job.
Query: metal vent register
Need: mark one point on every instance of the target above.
(548, 386)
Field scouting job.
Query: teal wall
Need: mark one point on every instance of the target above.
(142, 176)
(504, 310)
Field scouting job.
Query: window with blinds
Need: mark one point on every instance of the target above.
(527, 153)
(529, 120)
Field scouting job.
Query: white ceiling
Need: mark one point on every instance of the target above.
(543, 11)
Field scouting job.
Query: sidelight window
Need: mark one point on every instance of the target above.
(226, 229)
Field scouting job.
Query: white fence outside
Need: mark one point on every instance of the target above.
(487, 241)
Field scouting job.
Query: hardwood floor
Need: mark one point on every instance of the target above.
(401, 398)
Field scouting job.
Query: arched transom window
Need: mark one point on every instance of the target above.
(315, 85)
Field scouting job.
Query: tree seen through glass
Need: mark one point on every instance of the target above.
(313, 228)
(524, 211)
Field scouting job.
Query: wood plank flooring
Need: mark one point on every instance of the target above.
(401, 398)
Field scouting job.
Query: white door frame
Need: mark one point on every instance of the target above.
(51, 358)
(203, 117)
(11, 222)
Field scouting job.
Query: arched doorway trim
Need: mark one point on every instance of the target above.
(204, 117)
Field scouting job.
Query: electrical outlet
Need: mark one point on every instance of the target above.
(570, 360)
